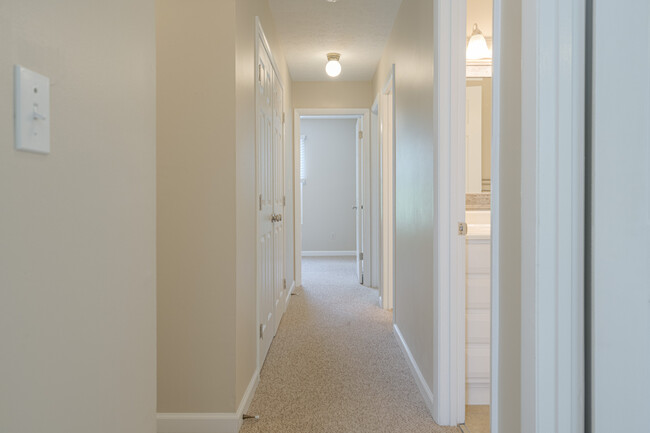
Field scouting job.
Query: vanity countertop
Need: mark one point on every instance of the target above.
(478, 201)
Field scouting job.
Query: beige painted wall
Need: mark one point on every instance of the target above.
(77, 239)
(207, 332)
(480, 12)
(510, 221)
(196, 205)
(247, 322)
(410, 48)
(335, 94)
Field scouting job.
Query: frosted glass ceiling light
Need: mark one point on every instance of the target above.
(477, 48)
(333, 67)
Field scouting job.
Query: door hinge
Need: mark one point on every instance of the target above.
(261, 331)
(284, 283)
(361, 256)
(283, 117)
(284, 200)
(462, 228)
(259, 72)
(360, 134)
(260, 201)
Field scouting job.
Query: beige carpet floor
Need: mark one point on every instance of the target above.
(335, 366)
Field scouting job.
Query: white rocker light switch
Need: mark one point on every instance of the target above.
(31, 111)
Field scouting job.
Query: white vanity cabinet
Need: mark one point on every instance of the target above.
(478, 309)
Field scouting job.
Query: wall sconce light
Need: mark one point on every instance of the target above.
(477, 48)
(333, 67)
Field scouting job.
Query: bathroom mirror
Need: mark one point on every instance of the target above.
(478, 134)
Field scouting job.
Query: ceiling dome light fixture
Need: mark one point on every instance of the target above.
(333, 67)
(477, 48)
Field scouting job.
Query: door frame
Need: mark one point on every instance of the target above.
(387, 161)
(261, 42)
(449, 246)
(375, 195)
(553, 215)
(552, 175)
(362, 113)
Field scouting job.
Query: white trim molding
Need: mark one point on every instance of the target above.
(209, 422)
(449, 256)
(553, 194)
(495, 216)
(387, 116)
(328, 253)
(427, 395)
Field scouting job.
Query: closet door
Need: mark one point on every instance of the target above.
(279, 281)
(265, 204)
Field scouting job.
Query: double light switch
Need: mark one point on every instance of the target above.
(32, 111)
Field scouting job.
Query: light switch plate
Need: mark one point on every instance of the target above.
(31, 110)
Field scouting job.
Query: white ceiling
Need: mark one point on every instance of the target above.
(309, 29)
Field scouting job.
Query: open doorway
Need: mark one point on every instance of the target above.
(478, 132)
(333, 188)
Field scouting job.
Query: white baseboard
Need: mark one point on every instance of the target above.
(291, 290)
(427, 395)
(198, 423)
(328, 253)
(209, 422)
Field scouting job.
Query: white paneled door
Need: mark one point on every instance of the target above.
(279, 281)
(270, 205)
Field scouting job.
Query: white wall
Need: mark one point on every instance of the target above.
(619, 271)
(330, 191)
(78, 226)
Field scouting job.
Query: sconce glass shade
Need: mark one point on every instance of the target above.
(333, 67)
(477, 48)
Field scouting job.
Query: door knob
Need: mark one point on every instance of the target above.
(354, 208)
(276, 218)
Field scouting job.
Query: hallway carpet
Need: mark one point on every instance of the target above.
(335, 365)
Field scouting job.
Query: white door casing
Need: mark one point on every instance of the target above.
(375, 195)
(366, 169)
(361, 113)
(358, 206)
(552, 216)
(387, 161)
(449, 246)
